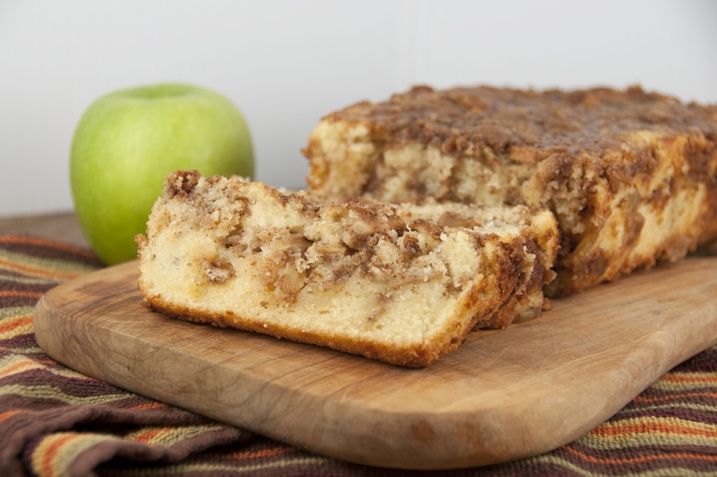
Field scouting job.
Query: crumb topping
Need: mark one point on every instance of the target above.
(530, 125)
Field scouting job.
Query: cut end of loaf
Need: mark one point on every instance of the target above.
(401, 283)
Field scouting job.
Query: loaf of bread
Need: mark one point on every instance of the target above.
(631, 176)
(401, 283)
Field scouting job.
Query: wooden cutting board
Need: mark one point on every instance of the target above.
(503, 395)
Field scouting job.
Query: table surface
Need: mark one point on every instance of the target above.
(61, 226)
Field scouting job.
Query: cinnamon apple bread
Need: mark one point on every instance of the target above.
(631, 176)
(401, 283)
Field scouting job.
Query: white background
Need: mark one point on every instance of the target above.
(286, 63)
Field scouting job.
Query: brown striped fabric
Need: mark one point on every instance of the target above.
(57, 422)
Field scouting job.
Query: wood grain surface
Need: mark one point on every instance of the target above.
(503, 395)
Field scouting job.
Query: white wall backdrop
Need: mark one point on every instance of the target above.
(286, 63)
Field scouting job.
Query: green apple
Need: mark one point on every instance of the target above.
(128, 141)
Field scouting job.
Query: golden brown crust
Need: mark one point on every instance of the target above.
(528, 126)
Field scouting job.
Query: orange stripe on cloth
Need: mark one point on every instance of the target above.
(148, 436)
(16, 293)
(673, 396)
(691, 378)
(168, 436)
(151, 405)
(46, 362)
(8, 414)
(49, 452)
(641, 459)
(671, 381)
(21, 239)
(16, 367)
(37, 271)
(275, 451)
(652, 427)
(10, 325)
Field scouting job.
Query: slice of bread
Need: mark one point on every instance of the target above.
(399, 283)
(631, 176)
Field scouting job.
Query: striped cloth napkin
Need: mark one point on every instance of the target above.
(57, 422)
